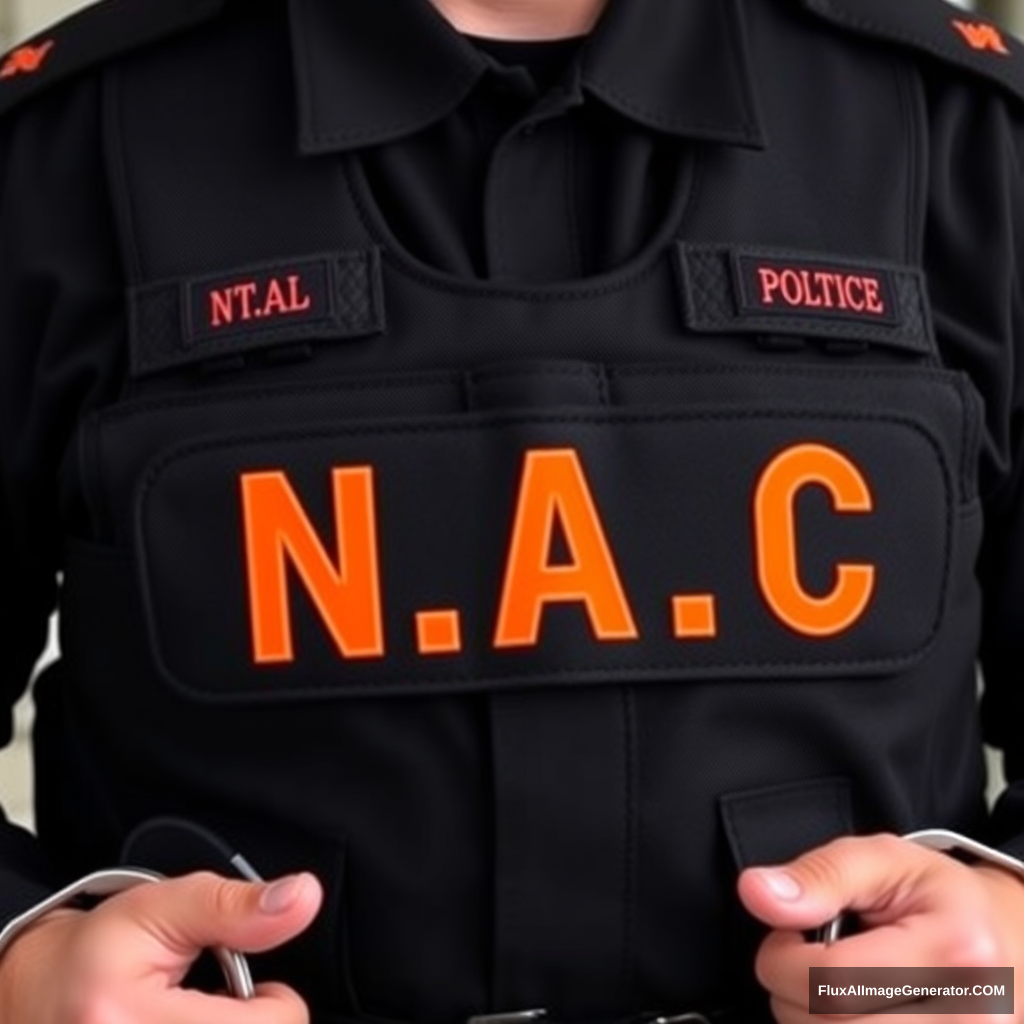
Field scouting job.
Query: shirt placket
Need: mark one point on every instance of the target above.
(530, 210)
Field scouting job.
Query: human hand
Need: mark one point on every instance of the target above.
(919, 908)
(124, 961)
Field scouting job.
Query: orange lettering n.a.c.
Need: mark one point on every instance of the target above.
(554, 490)
(345, 590)
(778, 567)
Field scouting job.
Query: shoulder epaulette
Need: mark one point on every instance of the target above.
(952, 35)
(90, 37)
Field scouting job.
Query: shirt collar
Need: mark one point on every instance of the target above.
(373, 71)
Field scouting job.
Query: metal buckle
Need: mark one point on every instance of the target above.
(509, 1017)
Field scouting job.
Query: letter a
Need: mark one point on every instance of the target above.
(274, 302)
(554, 488)
(345, 590)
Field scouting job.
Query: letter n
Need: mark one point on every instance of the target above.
(554, 489)
(344, 589)
(222, 308)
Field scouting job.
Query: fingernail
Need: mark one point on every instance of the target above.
(281, 895)
(783, 885)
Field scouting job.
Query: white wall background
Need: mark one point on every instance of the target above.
(21, 18)
(1009, 12)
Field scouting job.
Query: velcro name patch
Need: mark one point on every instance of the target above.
(748, 289)
(782, 287)
(239, 304)
(334, 296)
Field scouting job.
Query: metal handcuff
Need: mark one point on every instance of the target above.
(233, 965)
(939, 839)
(238, 977)
(943, 841)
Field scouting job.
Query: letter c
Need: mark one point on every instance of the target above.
(778, 567)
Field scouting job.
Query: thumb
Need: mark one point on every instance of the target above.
(197, 911)
(869, 875)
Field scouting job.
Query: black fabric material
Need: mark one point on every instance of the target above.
(26, 877)
(564, 898)
(546, 60)
(545, 841)
(816, 812)
(691, 81)
(929, 28)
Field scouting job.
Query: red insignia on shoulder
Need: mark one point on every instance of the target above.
(980, 35)
(26, 60)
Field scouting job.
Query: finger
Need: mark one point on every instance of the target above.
(878, 875)
(784, 961)
(784, 1012)
(188, 914)
(272, 1004)
(788, 1013)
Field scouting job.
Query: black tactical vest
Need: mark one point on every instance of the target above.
(523, 615)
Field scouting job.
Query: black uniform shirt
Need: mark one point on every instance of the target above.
(473, 170)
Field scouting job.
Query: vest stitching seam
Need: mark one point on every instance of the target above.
(631, 835)
(142, 407)
(571, 211)
(619, 279)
